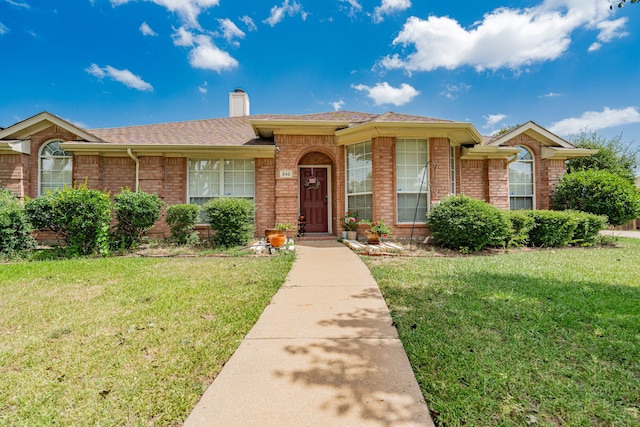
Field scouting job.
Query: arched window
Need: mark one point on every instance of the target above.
(521, 181)
(55, 167)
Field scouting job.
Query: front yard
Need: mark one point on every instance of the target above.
(548, 337)
(123, 341)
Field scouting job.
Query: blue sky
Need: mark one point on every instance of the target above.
(566, 64)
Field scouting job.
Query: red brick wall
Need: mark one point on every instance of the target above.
(13, 168)
(473, 181)
(498, 183)
(384, 179)
(265, 195)
(440, 168)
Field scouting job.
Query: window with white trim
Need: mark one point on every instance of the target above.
(359, 183)
(213, 178)
(521, 181)
(55, 167)
(412, 180)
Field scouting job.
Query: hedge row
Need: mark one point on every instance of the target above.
(82, 217)
(467, 224)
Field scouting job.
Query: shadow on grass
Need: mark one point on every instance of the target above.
(495, 348)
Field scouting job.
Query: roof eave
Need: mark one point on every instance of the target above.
(172, 150)
(19, 146)
(266, 128)
(39, 122)
(459, 133)
(562, 153)
(483, 152)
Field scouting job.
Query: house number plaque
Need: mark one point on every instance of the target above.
(286, 173)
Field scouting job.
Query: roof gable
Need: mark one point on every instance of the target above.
(533, 130)
(24, 129)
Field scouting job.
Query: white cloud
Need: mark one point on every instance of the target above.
(203, 88)
(230, 31)
(337, 105)
(505, 37)
(493, 119)
(251, 26)
(549, 95)
(146, 30)
(19, 4)
(353, 8)
(596, 120)
(182, 37)
(278, 12)
(3, 29)
(452, 91)
(388, 7)
(188, 10)
(384, 93)
(208, 56)
(125, 77)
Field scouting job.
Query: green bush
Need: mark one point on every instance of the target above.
(135, 215)
(232, 219)
(79, 215)
(467, 224)
(588, 227)
(182, 220)
(551, 228)
(15, 229)
(521, 225)
(598, 192)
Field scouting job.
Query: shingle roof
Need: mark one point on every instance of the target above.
(234, 131)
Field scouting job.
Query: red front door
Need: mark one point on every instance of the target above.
(314, 199)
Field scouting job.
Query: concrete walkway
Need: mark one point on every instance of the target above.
(622, 233)
(323, 353)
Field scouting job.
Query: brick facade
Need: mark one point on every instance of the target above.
(276, 193)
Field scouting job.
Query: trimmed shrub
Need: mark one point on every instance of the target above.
(232, 219)
(79, 215)
(551, 228)
(521, 225)
(598, 192)
(182, 220)
(588, 227)
(135, 213)
(15, 229)
(467, 224)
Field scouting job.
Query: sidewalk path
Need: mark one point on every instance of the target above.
(622, 233)
(323, 353)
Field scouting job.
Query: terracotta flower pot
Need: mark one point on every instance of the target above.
(277, 240)
(373, 238)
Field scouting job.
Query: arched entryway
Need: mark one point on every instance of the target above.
(315, 192)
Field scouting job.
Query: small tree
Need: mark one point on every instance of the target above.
(613, 155)
(182, 220)
(79, 215)
(232, 219)
(136, 213)
(15, 229)
(598, 192)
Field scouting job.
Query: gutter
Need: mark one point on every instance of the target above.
(137, 160)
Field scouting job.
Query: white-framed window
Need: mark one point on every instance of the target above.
(55, 167)
(521, 181)
(359, 183)
(452, 169)
(213, 178)
(412, 180)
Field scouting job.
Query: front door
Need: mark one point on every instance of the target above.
(314, 199)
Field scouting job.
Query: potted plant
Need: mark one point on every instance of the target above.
(350, 222)
(278, 238)
(378, 229)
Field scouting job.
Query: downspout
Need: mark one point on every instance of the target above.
(137, 160)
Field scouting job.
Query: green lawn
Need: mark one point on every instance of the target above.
(547, 337)
(123, 341)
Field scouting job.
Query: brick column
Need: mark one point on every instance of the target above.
(12, 173)
(384, 180)
(473, 178)
(440, 182)
(498, 183)
(265, 193)
(554, 169)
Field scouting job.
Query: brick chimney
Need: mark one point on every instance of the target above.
(238, 103)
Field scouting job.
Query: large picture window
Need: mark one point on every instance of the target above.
(359, 184)
(212, 178)
(56, 167)
(412, 180)
(521, 179)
